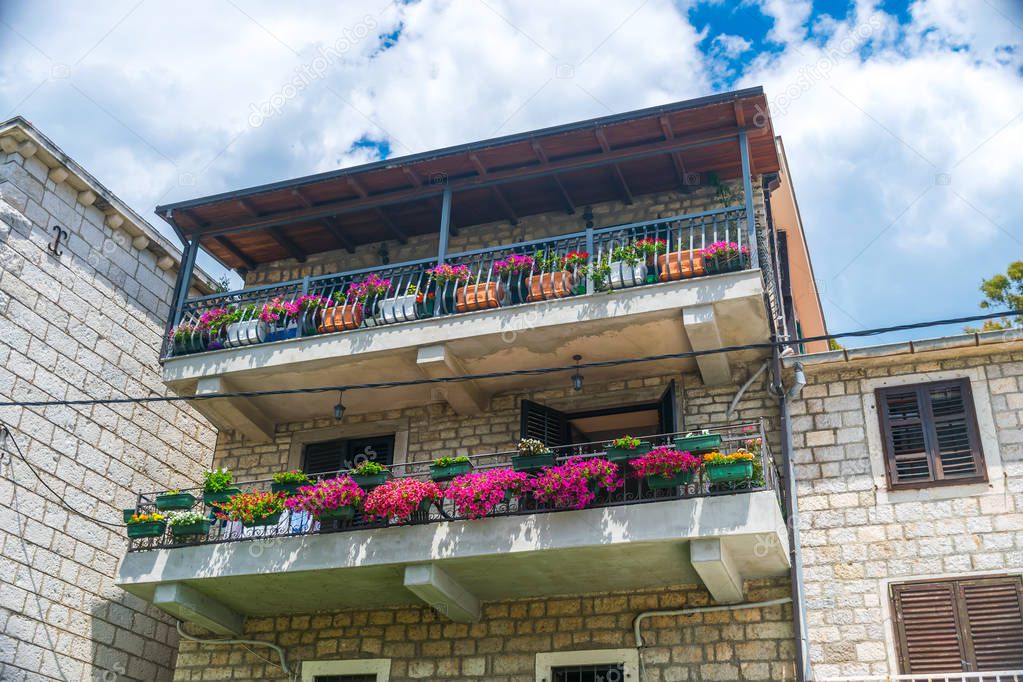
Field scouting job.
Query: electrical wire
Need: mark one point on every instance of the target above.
(767, 345)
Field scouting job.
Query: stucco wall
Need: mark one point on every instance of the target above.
(859, 537)
(86, 324)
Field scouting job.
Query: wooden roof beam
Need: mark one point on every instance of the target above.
(434, 200)
(330, 222)
(513, 218)
(616, 171)
(542, 156)
(236, 252)
(384, 218)
(287, 243)
(676, 158)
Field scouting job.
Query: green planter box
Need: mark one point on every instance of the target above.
(698, 444)
(660, 482)
(212, 499)
(183, 530)
(626, 454)
(370, 481)
(127, 514)
(263, 521)
(729, 472)
(147, 529)
(532, 462)
(289, 489)
(345, 513)
(175, 501)
(439, 473)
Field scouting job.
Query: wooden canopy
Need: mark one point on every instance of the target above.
(503, 179)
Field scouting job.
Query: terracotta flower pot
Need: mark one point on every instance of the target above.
(680, 264)
(479, 296)
(340, 318)
(550, 285)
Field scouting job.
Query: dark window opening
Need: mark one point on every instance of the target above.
(347, 453)
(612, 672)
(345, 678)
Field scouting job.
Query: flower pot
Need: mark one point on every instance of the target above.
(479, 296)
(698, 444)
(680, 264)
(345, 513)
(289, 489)
(532, 462)
(397, 309)
(190, 343)
(369, 481)
(175, 501)
(729, 472)
(518, 288)
(627, 454)
(281, 333)
(270, 520)
(127, 514)
(245, 333)
(550, 285)
(370, 304)
(213, 499)
(717, 265)
(146, 529)
(182, 530)
(446, 473)
(426, 307)
(657, 482)
(340, 318)
(625, 275)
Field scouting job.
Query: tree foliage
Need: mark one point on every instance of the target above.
(1002, 292)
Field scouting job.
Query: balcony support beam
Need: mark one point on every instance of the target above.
(445, 226)
(747, 190)
(701, 326)
(464, 397)
(192, 606)
(236, 414)
(716, 568)
(447, 597)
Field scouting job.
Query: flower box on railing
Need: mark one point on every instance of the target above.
(446, 472)
(703, 442)
(268, 520)
(680, 265)
(548, 285)
(368, 481)
(343, 513)
(147, 529)
(340, 318)
(532, 462)
(624, 275)
(245, 333)
(185, 530)
(616, 454)
(398, 309)
(729, 472)
(281, 333)
(212, 499)
(657, 482)
(175, 501)
(479, 296)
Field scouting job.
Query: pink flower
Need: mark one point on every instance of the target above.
(329, 494)
(725, 250)
(400, 498)
(574, 483)
(373, 285)
(666, 462)
(449, 273)
(476, 494)
(513, 264)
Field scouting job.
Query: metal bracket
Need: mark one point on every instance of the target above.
(60, 236)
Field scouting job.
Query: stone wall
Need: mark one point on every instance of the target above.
(858, 537)
(495, 234)
(749, 644)
(87, 324)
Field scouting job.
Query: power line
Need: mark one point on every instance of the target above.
(537, 371)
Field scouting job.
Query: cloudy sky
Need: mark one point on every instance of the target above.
(903, 121)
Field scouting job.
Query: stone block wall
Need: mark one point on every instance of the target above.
(86, 324)
(858, 537)
(748, 644)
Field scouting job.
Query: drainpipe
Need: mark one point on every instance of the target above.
(243, 642)
(804, 673)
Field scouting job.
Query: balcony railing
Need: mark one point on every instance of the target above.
(994, 676)
(574, 264)
(635, 491)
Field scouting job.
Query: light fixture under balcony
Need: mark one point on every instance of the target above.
(577, 378)
(339, 409)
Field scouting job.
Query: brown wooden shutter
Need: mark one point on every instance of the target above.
(547, 425)
(967, 625)
(930, 434)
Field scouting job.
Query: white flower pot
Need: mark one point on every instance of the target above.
(625, 275)
(245, 333)
(397, 309)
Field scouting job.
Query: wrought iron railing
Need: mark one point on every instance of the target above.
(993, 676)
(573, 264)
(750, 435)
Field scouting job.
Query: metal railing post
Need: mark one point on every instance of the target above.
(186, 268)
(747, 190)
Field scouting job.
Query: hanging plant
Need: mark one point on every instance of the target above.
(330, 498)
(575, 483)
(400, 498)
(477, 494)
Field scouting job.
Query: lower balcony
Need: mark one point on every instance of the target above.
(636, 536)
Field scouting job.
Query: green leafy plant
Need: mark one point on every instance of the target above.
(369, 468)
(291, 477)
(217, 480)
(449, 461)
(247, 507)
(532, 446)
(628, 254)
(626, 443)
(1002, 291)
(185, 518)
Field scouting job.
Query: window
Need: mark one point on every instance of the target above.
(346, 453)
(600, 665)
(345, 678)
(930, 435)
(965, 625)
(606, 672)
(361, 670)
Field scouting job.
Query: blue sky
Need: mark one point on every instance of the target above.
(903, 121)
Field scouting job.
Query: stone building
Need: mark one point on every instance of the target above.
(85, 290)
(909, 464)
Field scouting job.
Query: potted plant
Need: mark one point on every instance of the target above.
(680, 264)
(258, 508)
(370, 474)
(245, 327)
(174, 499)
(188, 338)
(512, 271)
(574, 483)
(281, 319)
(185, 524)
(650, 248)
(626, 448)
(479, 295)
(725, 257)
(217, 488)
(214, 323)
(698, 442)
(478, 493)
(577, 262)
(447, 279)
(310, 312)
(533, 455)
(343, 313)
(402, 308)
(399, 499)
(628, 266)
(666, 467)
(731, 468)
(332, 499)
(426, 302)
(367, 292)
(554, 279)
(126, 514)
(446, 468)
(146, 525)
(288, 482)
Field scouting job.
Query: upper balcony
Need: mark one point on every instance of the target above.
(596, 285)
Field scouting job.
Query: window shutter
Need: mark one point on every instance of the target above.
(544, 424)
(667, 410)
(341, 454)
(994, 608)
(324, 457)
(907, 444)
(927, 623)
(379, 449)
(953, 431)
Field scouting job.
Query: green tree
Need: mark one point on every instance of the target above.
(1003, 291)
